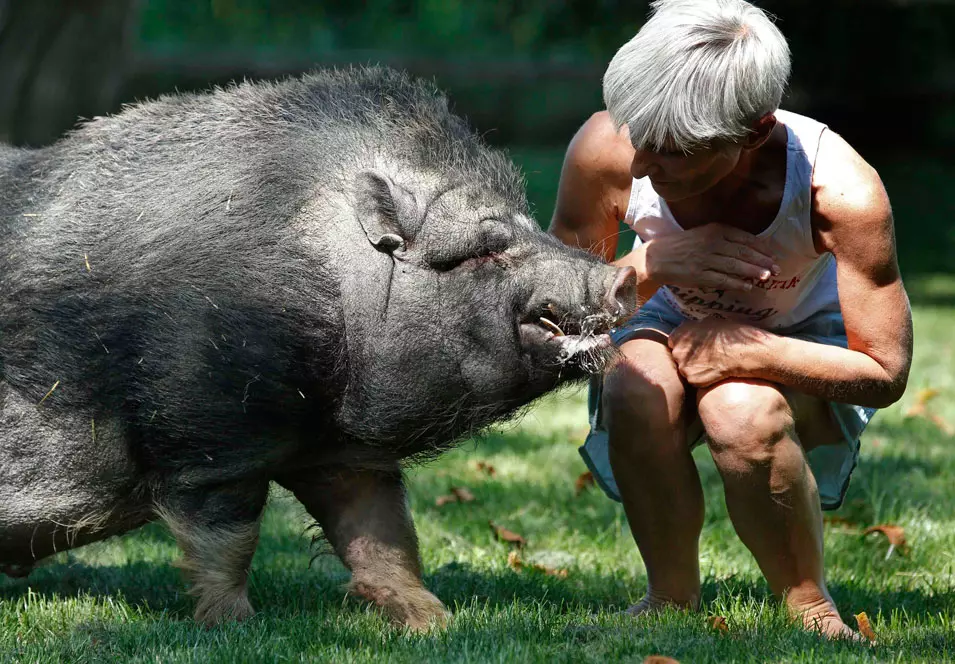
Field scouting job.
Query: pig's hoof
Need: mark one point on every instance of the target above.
(16, 571)
(213, 612)
(415, 608)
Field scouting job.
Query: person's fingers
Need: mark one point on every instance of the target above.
(714, 279)
(748, 254)
(738, 268)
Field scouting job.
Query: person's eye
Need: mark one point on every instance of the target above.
(671, 153)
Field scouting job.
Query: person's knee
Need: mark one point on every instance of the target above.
(642, 397)
(743, 423)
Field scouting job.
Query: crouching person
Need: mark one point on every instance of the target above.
(746, 218)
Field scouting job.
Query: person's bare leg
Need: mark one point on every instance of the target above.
(645, 413)
(365, 517)
(771, 493)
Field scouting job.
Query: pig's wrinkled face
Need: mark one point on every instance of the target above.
(472, 311)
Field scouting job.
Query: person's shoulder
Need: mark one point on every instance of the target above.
(600, 150)
(847, 190)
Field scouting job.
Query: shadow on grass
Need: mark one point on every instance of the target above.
(158, 589)
(525, 610)
(285, 591)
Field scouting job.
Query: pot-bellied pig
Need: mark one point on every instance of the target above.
(304, 282)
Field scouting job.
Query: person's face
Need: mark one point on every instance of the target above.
(676, 175)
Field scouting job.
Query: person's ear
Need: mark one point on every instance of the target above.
(760, 132)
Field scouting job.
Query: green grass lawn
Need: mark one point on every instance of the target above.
(122, 600)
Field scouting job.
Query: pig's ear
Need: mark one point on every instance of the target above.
(384, 211)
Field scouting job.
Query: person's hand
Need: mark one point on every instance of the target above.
(711, 256)
(714, 349)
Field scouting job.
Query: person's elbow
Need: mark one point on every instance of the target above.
(891, 388)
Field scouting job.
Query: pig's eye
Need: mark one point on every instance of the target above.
(462, 261)
(489, 251)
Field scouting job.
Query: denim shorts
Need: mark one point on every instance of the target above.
(832, 465)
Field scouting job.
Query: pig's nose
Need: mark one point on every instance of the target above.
(621, 297)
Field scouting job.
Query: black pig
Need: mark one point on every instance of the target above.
(304, 282)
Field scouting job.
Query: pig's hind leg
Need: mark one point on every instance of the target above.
(364, 515)
(218, 531)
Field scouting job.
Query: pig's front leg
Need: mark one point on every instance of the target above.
(365, 517)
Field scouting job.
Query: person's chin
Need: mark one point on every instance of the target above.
(668, 191)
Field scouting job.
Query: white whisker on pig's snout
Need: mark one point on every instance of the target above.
(590, 352)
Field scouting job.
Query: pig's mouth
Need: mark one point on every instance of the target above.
(582, 343)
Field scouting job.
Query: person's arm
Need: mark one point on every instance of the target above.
(853, 220)
(594, 188)
(593, 194)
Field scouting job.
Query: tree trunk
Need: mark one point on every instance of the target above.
(60, 60)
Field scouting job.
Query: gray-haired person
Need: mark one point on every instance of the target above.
(746, 217)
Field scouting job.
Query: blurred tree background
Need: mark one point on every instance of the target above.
(525, 72)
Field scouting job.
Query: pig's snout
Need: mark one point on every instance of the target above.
(621, 296)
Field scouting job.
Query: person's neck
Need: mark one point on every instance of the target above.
(728, 189)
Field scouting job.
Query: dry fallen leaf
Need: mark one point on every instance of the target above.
(865, 627)
(921, 400)
(506, 535)
(718, 623)
(660, 659)
(515, 562)
(895, 535)
(559, 573)
(583, 482)
(462, 493)
(942, 424)
(487, 468)
(459, 494)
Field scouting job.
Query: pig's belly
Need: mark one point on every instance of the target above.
(61, 486)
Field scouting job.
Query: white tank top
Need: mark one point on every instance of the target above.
(806, 283)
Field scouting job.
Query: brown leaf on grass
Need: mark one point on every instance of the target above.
(865, 627)
(921, 401)
(718, 623)
(462, 493)
(895, 535)
(942, 424)
(584, 482)
(515, 562)
(485, 467)
(459, 494)
(549, 571)
(660, 659)
(506, 535)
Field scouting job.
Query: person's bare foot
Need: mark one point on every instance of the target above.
(831, 626)
(818, 613)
